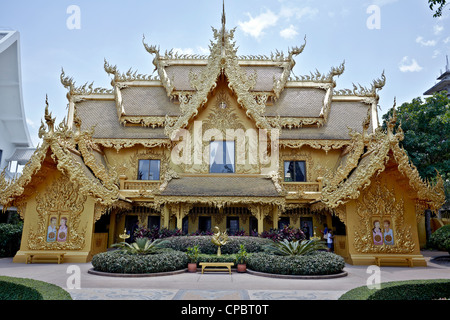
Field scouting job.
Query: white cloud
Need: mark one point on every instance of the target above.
(437, 29)
(436, 53)
(198, 50)
(256, 26)
(446, 40)
(429, 43)
(298, 13)
(289, 33)
(409, 65)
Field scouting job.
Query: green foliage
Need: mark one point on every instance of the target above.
(440, 239)
(28, 289)
(121, 262)
(252, 244)
(440, 3)
(141, 246)
(316, 263)
(215, 258)
(242, 255)
(402, 290)
(294, 248)
(192, 253)
(10, 236)
(426, 126)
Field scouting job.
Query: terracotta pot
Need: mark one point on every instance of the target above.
(192, 267)
(241, 268)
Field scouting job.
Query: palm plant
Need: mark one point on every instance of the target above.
(294, 248)
(141, 246)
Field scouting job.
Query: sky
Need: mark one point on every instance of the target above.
(399, 37)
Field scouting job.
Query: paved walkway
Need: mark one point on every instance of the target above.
(214, 286)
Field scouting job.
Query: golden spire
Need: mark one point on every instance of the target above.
(224, 20)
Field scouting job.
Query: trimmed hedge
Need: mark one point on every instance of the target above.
(440, 239)
(316, 263)
(214, 258)
(252, 244)
(10, 236)
(28, 289)
(402, 290)
(120, 262)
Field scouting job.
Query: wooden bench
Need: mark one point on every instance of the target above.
(226, 266)
(45, 256)
(393, 259)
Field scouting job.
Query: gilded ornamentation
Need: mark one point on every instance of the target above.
(379, 202)
(63, 197)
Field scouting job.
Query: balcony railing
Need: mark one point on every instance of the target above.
(306, 190)
(140, 184)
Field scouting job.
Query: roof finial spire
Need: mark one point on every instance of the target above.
(224, 19)
(447, 67)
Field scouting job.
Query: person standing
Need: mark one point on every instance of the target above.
(330, 241)
(305, 230)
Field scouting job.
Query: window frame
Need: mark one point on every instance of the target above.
(305, 174)
(224, 148)
(149, 166)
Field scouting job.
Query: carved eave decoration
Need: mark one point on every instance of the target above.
(60, 143)
(381, 148)
(217, 201)
(123, 143)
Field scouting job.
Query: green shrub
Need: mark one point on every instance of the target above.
(10, 236)
(28, 289)
(252, 244)
(140, 246)
(315, 263)
(295, 247)
(402, 290)
(119, 262)
(440, 239)
(215, 258)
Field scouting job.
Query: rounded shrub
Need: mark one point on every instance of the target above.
(28, 289)
(316, 263)
(402, 290)
(10, 236)
(120, 262)
(252, 244)
(440, 239)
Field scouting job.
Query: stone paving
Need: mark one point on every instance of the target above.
(214, 286)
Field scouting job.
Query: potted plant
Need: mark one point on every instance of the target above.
(192, 253)
(241, 259)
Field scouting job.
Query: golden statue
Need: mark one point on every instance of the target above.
(219, 239)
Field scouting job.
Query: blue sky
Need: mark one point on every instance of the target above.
(410, 45)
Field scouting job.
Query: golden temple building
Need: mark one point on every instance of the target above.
(223, 140)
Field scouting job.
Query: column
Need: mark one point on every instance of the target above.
(166, 216)
(275, 216)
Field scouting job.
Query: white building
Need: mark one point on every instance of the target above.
(443, 84)
(15, 142)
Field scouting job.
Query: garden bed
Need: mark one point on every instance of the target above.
(119, 262)
(402, 290)
(316, 263)
(28, 289)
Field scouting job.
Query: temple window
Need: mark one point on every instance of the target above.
(294, 171)
(149, 169)
(284, 221)
(221, 157)
(232, 225)
(204, 223)
(154, 222)
(185, 225)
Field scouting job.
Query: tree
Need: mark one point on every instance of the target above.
(440, 4)
(426, 126)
